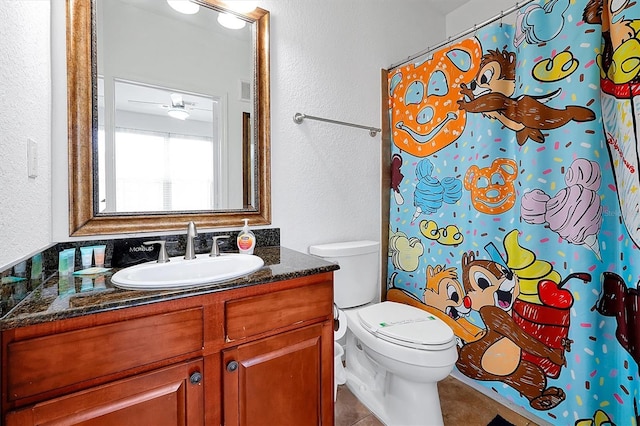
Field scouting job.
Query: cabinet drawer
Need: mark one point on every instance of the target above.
(46, 363)
(254, 315)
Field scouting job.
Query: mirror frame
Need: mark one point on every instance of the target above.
(82, 127)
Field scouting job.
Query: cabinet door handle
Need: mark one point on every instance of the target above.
(232, 366)
(195, 378)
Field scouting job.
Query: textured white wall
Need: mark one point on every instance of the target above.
(326, 57)
(25, 93)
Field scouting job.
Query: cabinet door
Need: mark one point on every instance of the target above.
(275, 381)
(170, 396)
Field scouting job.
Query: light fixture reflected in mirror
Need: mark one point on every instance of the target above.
(178, 112)
(230, 21)
(177, 109)
(184, 6)
(241, 6)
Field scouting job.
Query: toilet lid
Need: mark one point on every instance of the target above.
(406, 325)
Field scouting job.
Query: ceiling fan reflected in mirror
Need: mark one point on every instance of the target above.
(178, 108)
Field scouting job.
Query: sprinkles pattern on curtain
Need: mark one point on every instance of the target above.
(515, 205)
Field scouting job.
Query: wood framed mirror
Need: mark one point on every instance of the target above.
(86, 102)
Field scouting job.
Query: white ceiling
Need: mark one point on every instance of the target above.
(446, 6)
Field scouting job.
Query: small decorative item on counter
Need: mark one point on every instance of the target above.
(246, 239)
(94, 270)
(71, 260)
(132, 251)
(66, 261)
(62, 263)
(36, 267)
(98, 254)
(87, 256)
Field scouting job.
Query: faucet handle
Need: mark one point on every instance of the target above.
(163, 256)
(215, 250)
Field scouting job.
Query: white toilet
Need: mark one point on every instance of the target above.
(395, 353)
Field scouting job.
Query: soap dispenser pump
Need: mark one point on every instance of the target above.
(246, 239)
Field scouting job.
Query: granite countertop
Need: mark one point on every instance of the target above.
(68, 297)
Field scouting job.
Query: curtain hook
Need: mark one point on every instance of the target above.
(501, 16)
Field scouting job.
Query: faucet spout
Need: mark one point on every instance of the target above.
(190, 253)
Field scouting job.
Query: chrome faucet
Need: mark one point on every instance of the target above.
(190, 253)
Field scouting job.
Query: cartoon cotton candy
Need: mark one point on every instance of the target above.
(431, 193)
(575, 212)
(538, 24)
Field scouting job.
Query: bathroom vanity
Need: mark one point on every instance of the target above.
(254, 351)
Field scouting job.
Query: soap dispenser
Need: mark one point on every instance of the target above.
(246, 239)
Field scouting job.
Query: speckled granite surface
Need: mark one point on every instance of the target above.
(21, 278)
(66, 297)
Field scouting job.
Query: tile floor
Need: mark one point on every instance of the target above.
(477, 409)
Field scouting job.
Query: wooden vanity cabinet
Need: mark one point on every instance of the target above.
(263, 379)
(166, 397)
(279, 379)
(257, 355)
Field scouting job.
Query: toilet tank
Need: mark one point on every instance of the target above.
(356, 282)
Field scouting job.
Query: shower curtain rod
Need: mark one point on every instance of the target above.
(462, 34)
(299, 118)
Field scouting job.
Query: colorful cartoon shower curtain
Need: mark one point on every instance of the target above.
(515, 205)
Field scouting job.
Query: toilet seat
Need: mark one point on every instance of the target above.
(406, 326)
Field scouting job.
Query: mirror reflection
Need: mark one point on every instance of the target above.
(172, 102)
(168, 115)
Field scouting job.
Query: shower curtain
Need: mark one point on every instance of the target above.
(515, 201)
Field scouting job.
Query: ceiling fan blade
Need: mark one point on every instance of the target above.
(144, 102)
(176, 100)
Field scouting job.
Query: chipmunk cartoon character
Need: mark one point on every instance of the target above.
(492, 289)
(490, 93)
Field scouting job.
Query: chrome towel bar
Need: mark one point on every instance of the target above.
(299, 118)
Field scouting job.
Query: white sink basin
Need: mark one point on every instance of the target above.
(179, 273)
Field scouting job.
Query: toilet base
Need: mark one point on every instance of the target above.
(419, 407)
(367, 396)
(391, 398)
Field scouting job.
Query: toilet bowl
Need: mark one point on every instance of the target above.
(395, 353)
